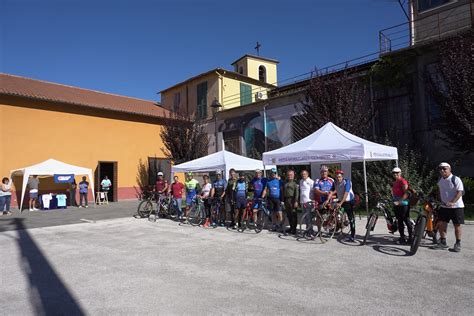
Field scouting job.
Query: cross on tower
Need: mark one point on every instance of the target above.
(258, 48)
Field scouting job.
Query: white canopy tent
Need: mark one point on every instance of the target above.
(50, 167)
(223, 160)
(331, 144)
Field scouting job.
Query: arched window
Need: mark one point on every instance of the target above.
(262, 74)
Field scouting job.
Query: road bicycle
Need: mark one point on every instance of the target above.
(217, 212)
(197, 212)
(382, 208)
(247, 221)
(263, 216)
(310, 218)
(146, 208)
(329, 214)
(343, 226)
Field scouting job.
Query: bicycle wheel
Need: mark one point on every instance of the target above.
(194, 215)
(306, 225)
(261, 221)
(244, 221)
(145, 208)
(329, 226)
(418, 234)
(368, 227)
(344, 225)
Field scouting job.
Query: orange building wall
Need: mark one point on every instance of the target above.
(29, 135)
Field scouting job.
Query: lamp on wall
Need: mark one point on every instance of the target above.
(216, 106)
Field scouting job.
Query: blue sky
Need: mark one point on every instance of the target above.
(137, 48)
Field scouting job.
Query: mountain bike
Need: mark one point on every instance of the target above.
(382, 208)
(431, 207)
(197, 212)
(424, 213)
(146, 208)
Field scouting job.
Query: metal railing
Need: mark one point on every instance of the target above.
(428, 28)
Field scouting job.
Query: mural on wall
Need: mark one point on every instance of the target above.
(250, 128)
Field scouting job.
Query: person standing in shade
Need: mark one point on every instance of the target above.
(105, 185)
(33, 185)
(83, 190)
(290, 198)
(401, 205)
(451, 190)
(5, 196)
(72, 193)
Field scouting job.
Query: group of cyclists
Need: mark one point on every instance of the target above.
(281, 196)
(237, 195)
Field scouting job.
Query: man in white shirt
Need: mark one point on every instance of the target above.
(306, 187)
(451, 190)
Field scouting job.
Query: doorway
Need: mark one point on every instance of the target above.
(109, 169)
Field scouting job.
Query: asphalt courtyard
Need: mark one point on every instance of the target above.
(88, 262)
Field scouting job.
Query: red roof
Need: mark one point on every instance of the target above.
(48, 91)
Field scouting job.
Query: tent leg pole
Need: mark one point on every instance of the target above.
(366, 191)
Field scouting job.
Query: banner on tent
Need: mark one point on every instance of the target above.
(63, 178)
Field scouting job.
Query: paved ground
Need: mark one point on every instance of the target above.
(133, 266)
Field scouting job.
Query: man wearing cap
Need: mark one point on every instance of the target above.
(291, 197)
(323, 186)
(274, 191)
(343, 189)
(217, 194)
(161, 185)
(451, 190)
(401, 208)
(192, 189)
(257, 185)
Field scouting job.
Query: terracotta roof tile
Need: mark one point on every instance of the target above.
(48, 91)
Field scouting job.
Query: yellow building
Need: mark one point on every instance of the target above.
(111, 134)
(252, 78)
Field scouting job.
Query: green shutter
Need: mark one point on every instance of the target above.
(245, 94)
(202, 100)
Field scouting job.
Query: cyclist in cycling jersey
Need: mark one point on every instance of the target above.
(161, 185)
(257, 185)
(218, 192)
(323, 186)
(240, 198)
(205, 195)
(274, 192)
(192, 189)
(343, 189)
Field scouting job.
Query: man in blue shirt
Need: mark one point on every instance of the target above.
(257, 185)
(274, 192)
(83, 189)
(240, 194)
(343, 189)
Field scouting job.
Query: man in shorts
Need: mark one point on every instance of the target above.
(257, 185)
(217, 194)
(274, 192)
(33, 184)
(451, 190)
(229, 195)
(240, 198)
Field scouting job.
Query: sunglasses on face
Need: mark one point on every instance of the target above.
(394, 173)
(443, 168)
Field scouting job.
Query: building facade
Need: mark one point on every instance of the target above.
(113, 135)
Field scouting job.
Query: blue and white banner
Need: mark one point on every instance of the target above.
(63, 178)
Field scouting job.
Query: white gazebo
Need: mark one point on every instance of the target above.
(331, 144)
(223, 160)
(50, 167)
